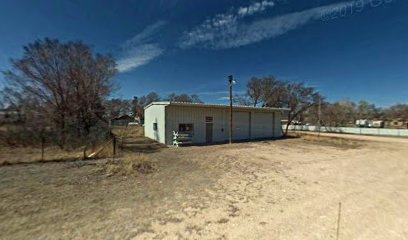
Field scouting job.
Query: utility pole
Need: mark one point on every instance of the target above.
(319, 110)
(230, 80)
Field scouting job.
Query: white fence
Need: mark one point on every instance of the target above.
(352, 130)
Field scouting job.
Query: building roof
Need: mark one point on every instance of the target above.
(123, 117)
(239, 107)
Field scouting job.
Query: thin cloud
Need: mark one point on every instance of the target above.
(140, 49)
(138, 56)
(235, 33)
(221, 25)
(254, 8)
(219, 93)
(223, 98)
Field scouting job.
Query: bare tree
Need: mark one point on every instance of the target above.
(398, 111)
(195, 98)
(116, 107)
(136, 108)
(254, 90)
(366, 110)
(265, 91)
(183, 98)
(149, 98)
(299, 98)
(138, 103)
(243, 100)
(67, 81)
(270, 92)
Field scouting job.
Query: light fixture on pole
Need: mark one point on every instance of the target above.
(231, 82)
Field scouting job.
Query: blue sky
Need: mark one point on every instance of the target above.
(347, 49)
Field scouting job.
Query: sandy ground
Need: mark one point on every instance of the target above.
(286, 189)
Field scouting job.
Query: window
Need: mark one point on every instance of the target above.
(186, 127)
(155, 126)
(208, 119)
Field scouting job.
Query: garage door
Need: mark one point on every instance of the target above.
(262, 125)
(240, 125)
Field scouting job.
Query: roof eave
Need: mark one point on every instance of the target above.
(226, 106)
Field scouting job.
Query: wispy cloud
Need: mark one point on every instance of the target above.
(223, 98)
(219, 95)
(254, 8)
(141, 49)
(213, 93)
(138, 56)
(221, 26)
(228, 31)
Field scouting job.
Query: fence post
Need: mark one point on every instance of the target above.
(114, 146)
(84, 156)
(42, 148)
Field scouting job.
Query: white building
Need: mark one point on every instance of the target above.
(208, 123)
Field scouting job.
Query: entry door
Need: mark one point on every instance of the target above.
(240, 122)
(208, 132)
(208, 129)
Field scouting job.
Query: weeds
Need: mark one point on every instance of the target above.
(129, 165)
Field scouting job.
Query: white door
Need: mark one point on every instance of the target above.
(262, 125)
(240, 123)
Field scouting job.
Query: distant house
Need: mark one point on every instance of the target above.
(396, 123)
(123, 120)
(209, 123)
(7, 116)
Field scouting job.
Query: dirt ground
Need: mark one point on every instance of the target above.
(285, 189)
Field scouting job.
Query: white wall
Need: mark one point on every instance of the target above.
(351, 130)
(277, 132)
(240, 124)
(195, 115)
(155, 114)
(262, 124)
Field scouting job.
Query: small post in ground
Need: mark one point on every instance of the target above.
(42, 148)
(114, 146)
(231, 81)
(338, 222)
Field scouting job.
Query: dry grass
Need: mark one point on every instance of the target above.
(130, 131)
(133, 135)
(129, 165)
(9, 155)
(12, 155)
(263, 190)
(104, 150)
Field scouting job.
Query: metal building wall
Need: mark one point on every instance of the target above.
(247, 124)
(262, 125)
(155, 114)
(277, 131)
(241, 125)
(176, 115)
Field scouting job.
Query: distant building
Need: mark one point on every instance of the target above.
(364, 123)
(123, 120)
(209, 123)
(7, 116)
(396, 123)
